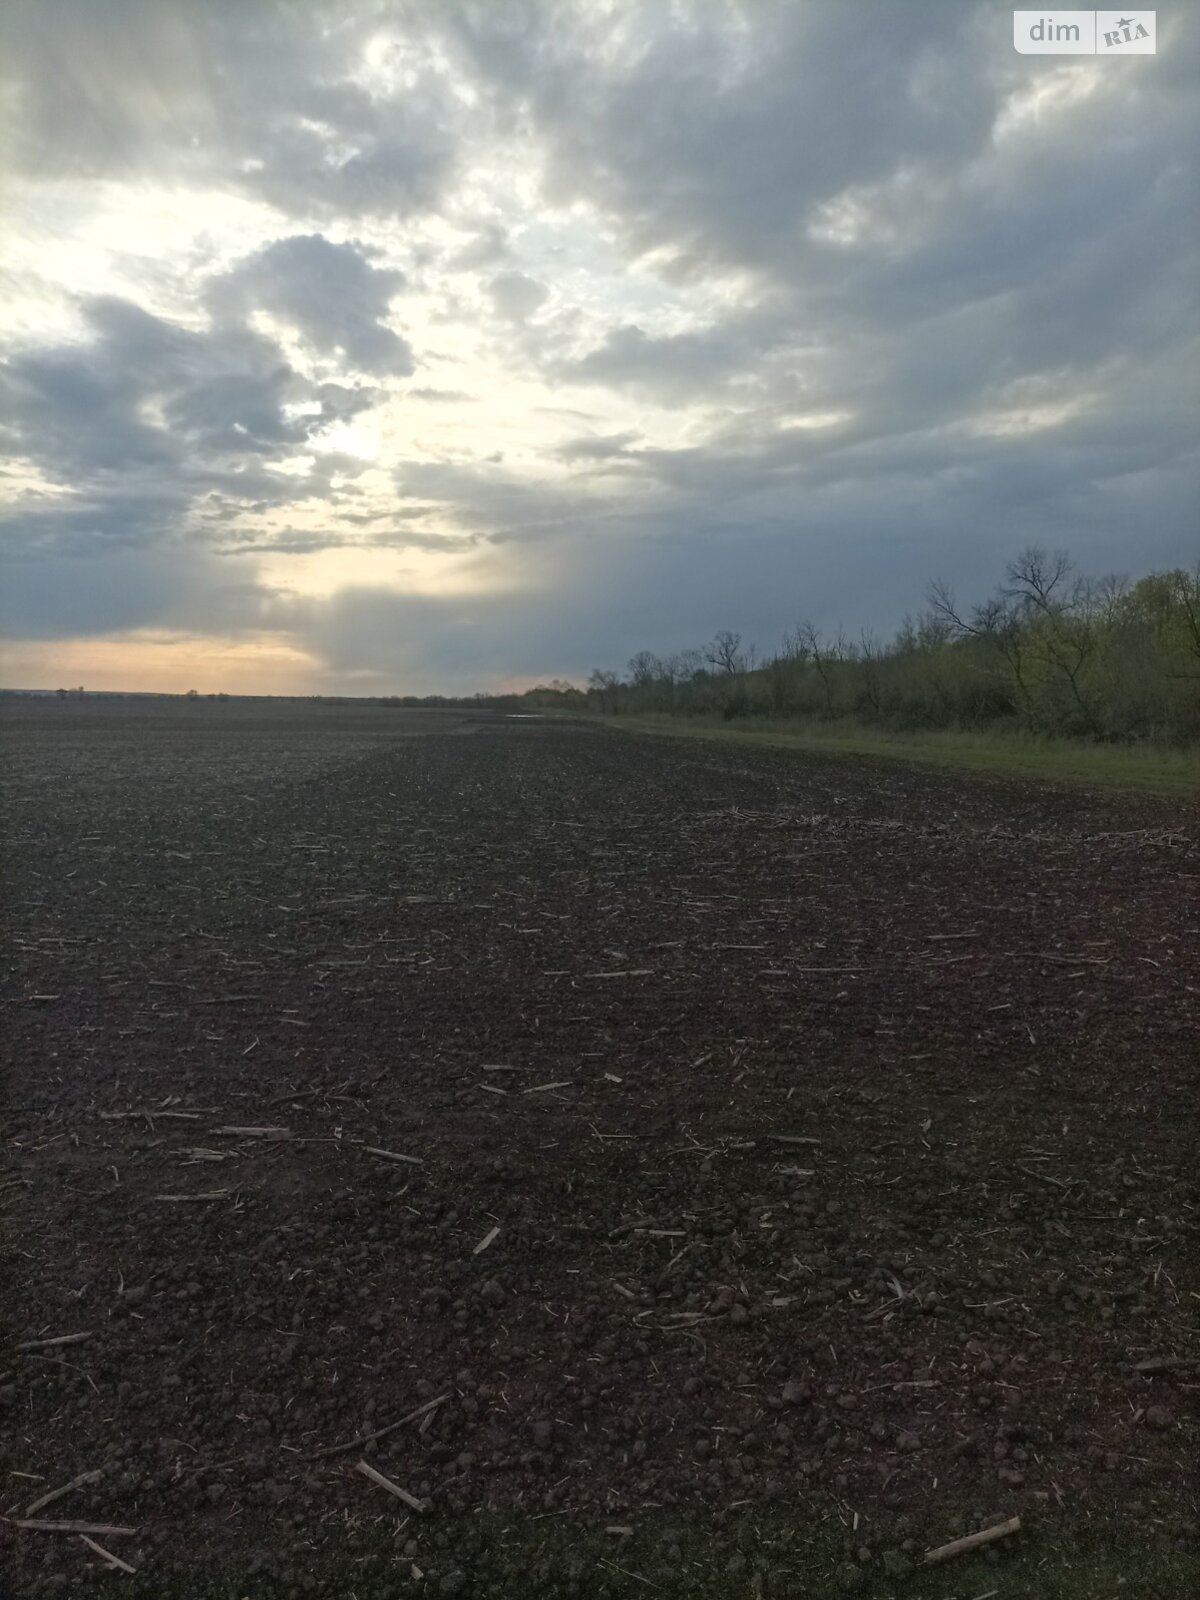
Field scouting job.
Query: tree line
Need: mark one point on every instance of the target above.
(1049, 652)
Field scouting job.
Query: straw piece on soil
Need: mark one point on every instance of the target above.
(107, 1555)
(972, 1541)
(47, 1344)
(409, 1500)
(203, 1194)
(109, 1530)
(56, 1494)
(393, 1155)
(380, 1433)
(256, 1132)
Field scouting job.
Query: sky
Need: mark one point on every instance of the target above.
(441, 347)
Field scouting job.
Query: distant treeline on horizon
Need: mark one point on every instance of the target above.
(1048, 653)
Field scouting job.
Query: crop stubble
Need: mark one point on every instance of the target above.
(585, 1125)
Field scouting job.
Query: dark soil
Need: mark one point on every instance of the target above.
(795, 1139)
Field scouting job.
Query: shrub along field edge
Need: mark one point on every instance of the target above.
(1139, 767)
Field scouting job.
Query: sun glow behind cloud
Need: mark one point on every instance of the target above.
(318, 574)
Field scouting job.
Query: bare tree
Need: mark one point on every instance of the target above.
(644, 668)
(1064, 638)
(795, 647)
(606, 686)
(870, 654)
(822, 655)
(944, 606)
(932, 631)
(996, 623)
(725, 653)
(1110, 596)
(1185, 592)
(688, 665)
(1037, 581)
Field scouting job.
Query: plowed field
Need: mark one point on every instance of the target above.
(786, 1162)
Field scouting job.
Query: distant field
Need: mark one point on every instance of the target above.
(140, 715)
(678, 1167)
(1145, 768)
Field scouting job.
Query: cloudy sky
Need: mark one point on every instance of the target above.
(412, 346)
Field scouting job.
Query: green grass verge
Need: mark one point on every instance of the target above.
(1150, 770)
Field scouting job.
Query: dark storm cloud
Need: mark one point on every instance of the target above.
(916, 301)
(730, 139)
(145, 393)
(673, 366)
(146, 426)
(713, 130)
(487, 498)
(155, 432)
(254, 97)
(93, 594)
(330, 293)
(739, 546)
